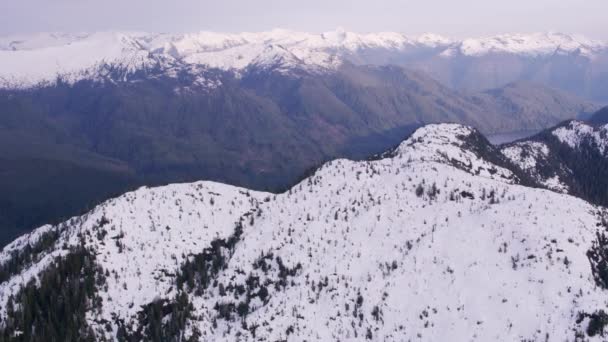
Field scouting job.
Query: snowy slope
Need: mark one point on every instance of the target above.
(553, 157)
(577, 133)
(158, 226)
(72, 58)
(436, 241)
(531, 156)
(29, 60)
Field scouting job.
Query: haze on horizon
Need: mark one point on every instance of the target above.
(455, 19)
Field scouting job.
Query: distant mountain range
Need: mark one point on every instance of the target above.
(568, 62)
(444, 237)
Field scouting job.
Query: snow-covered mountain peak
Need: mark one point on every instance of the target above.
(457, 145)
(437, 137)
(80, 57)
(440, 134)
(529, 44)
(276, 57)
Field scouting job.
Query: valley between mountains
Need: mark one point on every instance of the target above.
(445, 237)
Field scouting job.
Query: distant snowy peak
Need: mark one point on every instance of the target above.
(530, 44)
(278, 58)
(26, 60)
(78, 57)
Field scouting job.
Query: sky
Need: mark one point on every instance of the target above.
(452, 18)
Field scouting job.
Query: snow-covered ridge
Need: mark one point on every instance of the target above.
(531, 44)
(450, 144)
(71, 57)
(408, 247)
(26, 60)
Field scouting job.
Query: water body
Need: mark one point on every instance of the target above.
(503, 138)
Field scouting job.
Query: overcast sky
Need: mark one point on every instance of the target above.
(453, 18)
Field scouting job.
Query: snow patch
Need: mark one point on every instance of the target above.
(575, 133)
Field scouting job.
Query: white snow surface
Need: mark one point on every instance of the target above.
(28, 60)
(477, 259)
